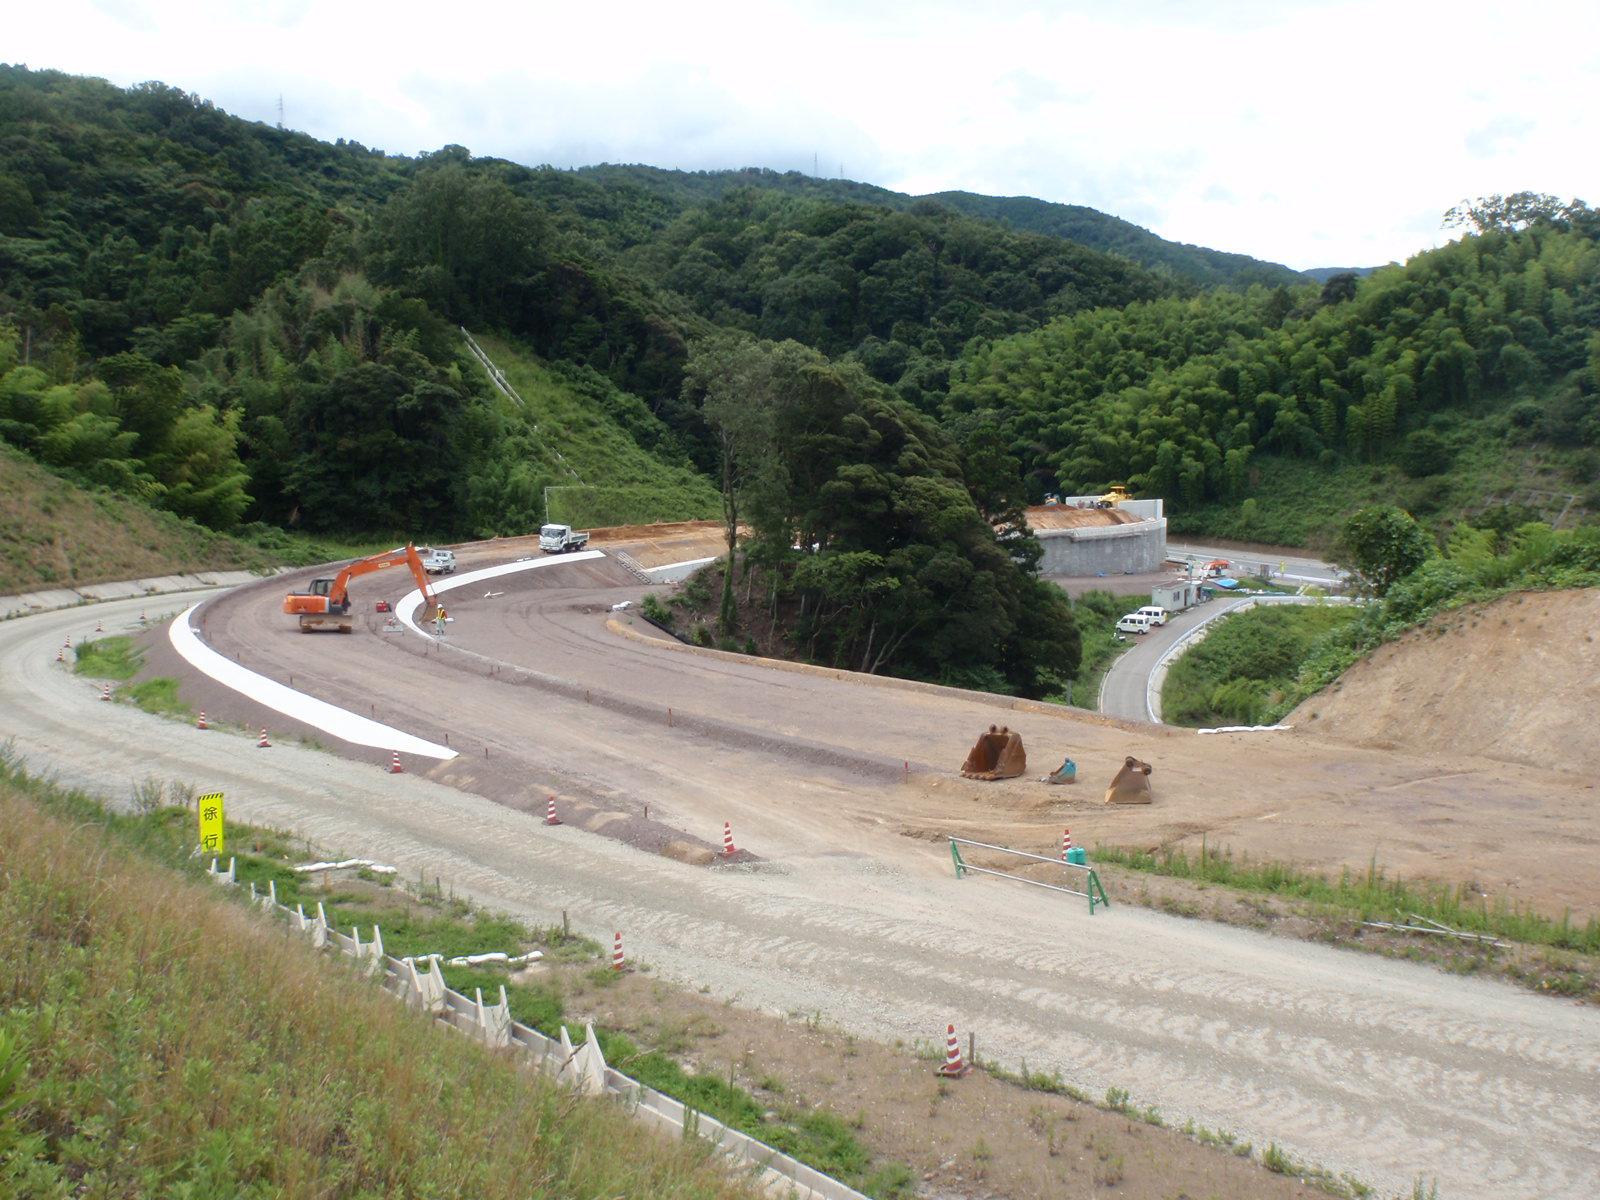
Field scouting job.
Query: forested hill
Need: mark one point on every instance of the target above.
(1193, 265)
(1467, 376)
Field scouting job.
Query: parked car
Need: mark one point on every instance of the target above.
(1134, 623)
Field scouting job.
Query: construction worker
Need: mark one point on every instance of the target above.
(438, 620)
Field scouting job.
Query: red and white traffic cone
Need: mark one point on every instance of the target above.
(953, 1067)
(1066, 845)
(727, 839)
(617, 961)
(61, 654)
(105, 691)
(263, 744)
(394, 767)
(201, 723)
(550, 817)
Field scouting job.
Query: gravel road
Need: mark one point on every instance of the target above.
(1359, 1064)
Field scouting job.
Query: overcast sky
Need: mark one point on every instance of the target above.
(1308, 132)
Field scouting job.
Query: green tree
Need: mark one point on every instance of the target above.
(1519, 210)
(1382, 545)
(462, 241)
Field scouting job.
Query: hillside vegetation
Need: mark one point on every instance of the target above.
(157, 1041)
(56, 534)
(1436, 380)
(245, 327)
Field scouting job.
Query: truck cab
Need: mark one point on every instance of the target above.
(558, 539)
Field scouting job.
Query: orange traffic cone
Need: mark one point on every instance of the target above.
(394, 767)
(550, 817)
(201, 723)
(617, 963)
(953, 1067)
(263, 744)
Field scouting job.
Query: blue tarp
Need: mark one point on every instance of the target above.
(1230, 584)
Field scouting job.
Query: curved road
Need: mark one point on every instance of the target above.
(1360, 1064)
(1132, 687)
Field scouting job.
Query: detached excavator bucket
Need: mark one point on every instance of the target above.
(1132, 784)
(1066, 773)
(997, 755)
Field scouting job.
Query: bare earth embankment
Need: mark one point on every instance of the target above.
(842, 790)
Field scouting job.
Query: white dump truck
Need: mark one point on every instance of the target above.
(559, 539)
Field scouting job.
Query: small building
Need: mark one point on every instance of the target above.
(1177, 595)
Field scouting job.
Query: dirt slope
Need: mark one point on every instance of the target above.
(1513, 680)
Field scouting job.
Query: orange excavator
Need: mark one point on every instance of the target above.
(326, 603)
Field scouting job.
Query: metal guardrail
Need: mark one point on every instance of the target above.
(1093, 892)
(581, 1066)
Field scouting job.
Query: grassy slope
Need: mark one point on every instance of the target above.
(584, 446)
(56, 534)
(1299, 503)
(172, 1043)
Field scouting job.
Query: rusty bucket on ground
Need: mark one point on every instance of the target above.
(1132, 784)
(998, 754)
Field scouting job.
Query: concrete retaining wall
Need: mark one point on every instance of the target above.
(1105, 549)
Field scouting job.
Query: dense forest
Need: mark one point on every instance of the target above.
(256, 330)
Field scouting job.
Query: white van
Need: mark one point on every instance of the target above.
(1157, 614)
(1134, 623)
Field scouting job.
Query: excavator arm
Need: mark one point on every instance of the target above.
(326, 603)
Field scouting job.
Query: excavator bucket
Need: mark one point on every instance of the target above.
(997, 755)
(1066, 773)
(1132, 784)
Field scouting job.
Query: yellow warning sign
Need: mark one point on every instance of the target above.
(210, 806)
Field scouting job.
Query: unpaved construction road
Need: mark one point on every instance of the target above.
(846, 908)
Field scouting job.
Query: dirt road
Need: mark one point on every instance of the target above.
(843, 791)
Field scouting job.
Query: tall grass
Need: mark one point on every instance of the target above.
(1366, 895)
(1244, 671)
(608, 458)
(430, 924)
(176, 1047)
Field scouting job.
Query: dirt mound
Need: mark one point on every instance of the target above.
(1511, 680)
(1061, 516)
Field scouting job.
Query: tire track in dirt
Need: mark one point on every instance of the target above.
(1362, 1065)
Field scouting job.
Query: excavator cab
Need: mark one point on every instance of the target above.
(997, 754)
(325, 604)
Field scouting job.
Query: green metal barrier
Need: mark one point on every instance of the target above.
(1093, 892)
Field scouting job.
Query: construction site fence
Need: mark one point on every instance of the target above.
(1092, 891)
(579, 1065)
